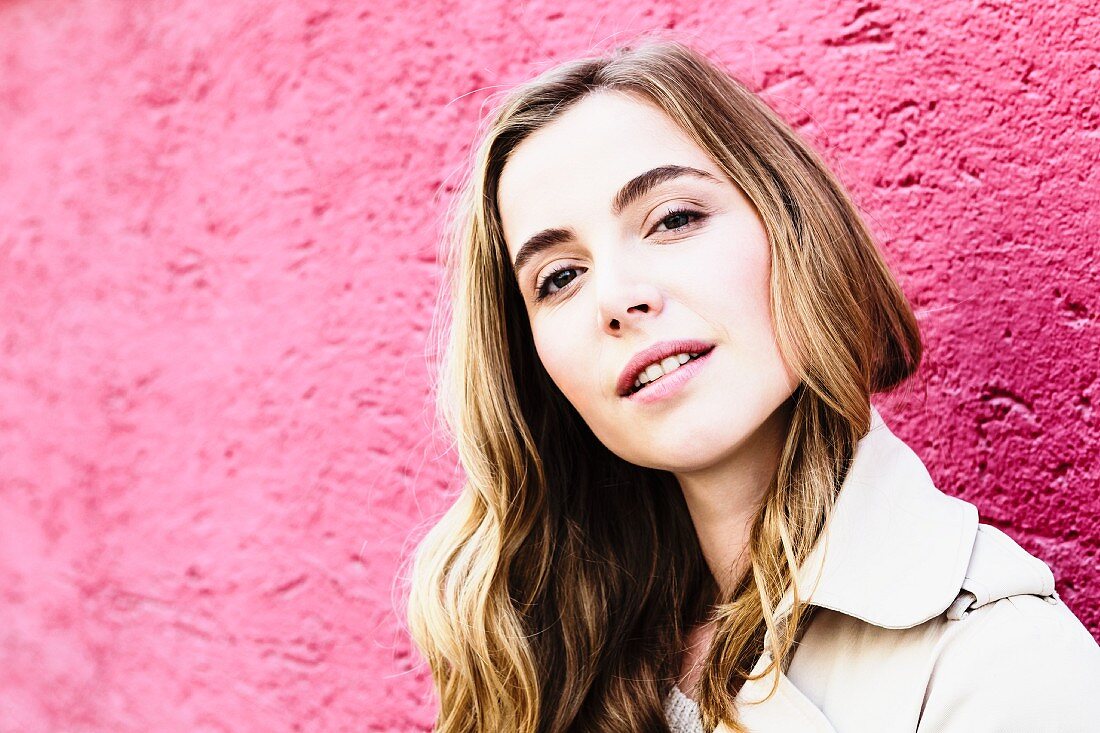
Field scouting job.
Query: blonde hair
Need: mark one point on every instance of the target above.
(557, 591)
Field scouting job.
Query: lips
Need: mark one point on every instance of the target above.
(653, 354)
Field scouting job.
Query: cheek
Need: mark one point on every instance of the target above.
(738, 289)
(743, 298)
(760, 330)
(757, 296)
(562, 357)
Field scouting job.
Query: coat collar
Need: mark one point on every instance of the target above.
(894, 553)
(895, 548)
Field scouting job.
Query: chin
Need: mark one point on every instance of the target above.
(677, 456)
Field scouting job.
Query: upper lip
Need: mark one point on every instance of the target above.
(653, 354)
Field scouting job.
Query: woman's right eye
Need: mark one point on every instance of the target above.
(554, 277)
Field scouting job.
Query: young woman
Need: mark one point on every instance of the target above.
(681, 510)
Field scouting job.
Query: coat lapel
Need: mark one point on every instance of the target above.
(786, 710)
(893, 553)
(895, 549)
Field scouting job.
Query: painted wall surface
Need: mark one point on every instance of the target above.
(218, 240)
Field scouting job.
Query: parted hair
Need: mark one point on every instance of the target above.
(557, 591)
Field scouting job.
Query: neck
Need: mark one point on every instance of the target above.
(723, 499)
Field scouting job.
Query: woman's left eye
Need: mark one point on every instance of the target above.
(678, 219)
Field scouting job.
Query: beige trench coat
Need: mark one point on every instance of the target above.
(926, 620)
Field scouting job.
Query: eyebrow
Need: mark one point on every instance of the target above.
(633, 190)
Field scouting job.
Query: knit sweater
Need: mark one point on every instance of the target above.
(682, 712)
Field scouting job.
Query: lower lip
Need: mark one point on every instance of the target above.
(670, 384)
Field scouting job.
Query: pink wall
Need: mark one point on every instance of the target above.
(218, 226)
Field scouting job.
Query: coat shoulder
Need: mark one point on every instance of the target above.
(999, 568)
(1008, 654)
(1018, 663)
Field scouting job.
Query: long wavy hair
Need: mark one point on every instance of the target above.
(557, 591)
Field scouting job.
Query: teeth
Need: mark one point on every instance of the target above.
(659, 369)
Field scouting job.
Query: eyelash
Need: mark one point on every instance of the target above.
(541, 290)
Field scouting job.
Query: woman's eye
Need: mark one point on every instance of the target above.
(557, 278)
(678, 219)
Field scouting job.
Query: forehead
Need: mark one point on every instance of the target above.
(569, 170)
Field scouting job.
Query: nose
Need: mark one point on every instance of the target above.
(624, 302)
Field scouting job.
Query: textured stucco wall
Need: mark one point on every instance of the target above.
(218, 227)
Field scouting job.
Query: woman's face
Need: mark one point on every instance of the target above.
(631, 237)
